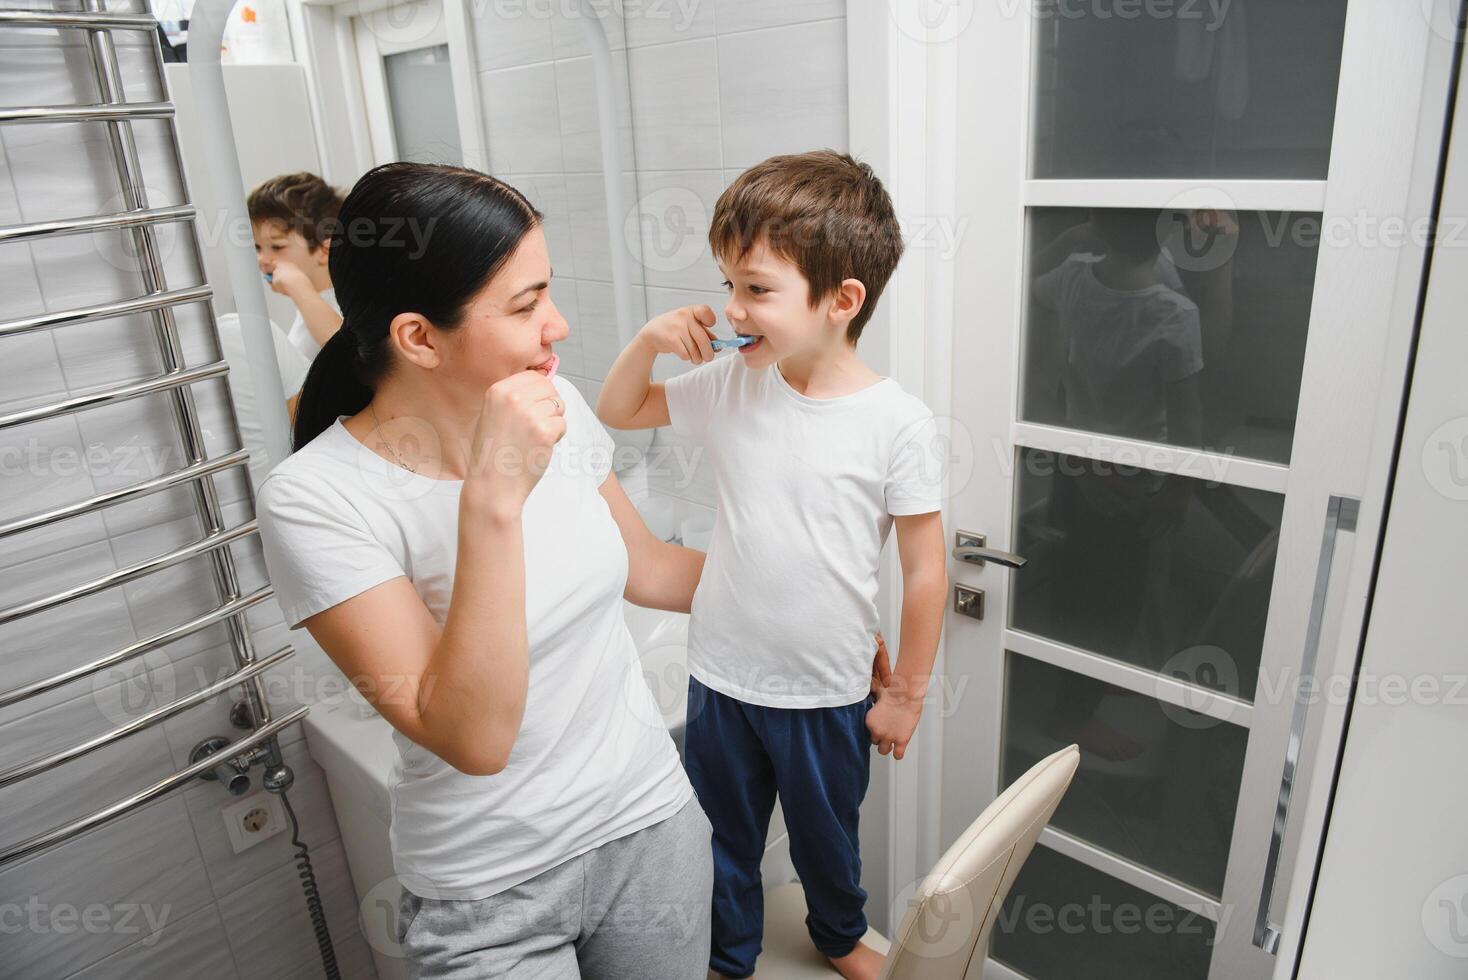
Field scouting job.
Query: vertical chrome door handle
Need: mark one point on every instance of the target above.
(1340, 515)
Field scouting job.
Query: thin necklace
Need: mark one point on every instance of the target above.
(377, 429)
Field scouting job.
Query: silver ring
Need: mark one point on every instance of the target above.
(557, 403)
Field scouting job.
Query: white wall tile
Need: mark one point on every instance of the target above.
(52, 798)
(508, 33)
(78, 270)
(548, 193)
(9, 204)
(674, 212)
(194, 945)
(66, 170)
(783, 91)
(675, 105)
(576, 93)
(586, 201)
(599, 341)
(266, 919)
(519, 107)
(43, 465)
(353, 959)
(563, 294)
(748, 15)
(22, 293)
(569, 34)
(108, 352)
(664, 21)
(44, 644)
(145, 861)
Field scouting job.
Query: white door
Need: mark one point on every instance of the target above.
(404, 74)
(1173, 350)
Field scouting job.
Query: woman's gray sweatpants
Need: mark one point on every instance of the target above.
(636, 907)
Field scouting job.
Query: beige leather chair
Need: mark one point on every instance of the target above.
(945, 933)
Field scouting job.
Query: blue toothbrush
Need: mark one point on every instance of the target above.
(719, 345)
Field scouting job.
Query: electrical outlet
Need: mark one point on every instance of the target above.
(253, 819)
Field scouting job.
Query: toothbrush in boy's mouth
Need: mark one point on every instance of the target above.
(548, 366)
(743, 340)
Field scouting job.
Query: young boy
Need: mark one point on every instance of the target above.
(815, 457)
(291, 218)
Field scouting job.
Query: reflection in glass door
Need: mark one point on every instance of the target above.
(1162, 462)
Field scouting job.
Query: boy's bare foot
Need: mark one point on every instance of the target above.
(862, 963)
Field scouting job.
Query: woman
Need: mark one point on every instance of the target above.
(450, 532)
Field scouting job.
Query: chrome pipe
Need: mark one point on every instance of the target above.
(102, 21)
(51, 838)
(137, 649)
(169, 381)
(48, 762)
(106, 311)
(101, 112)
(221, 156)
(209, 544)
(240, 457)
(37, 230)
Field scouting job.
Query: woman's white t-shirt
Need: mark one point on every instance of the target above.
(593, 760)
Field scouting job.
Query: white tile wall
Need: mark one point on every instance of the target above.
(158, 892)
(782, 89)
(675, 105)
(713, 86)
(518, 103)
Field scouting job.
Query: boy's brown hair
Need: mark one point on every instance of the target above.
(303, 202)
(823, 211)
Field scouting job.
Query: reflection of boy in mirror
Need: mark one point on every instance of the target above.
(1131, 350)
(291, 218)
(1132, 340)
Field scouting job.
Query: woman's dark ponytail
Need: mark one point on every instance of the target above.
(410, 238)
(332, 388)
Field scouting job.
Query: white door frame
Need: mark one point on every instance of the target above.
(1388, 131)
(347, 91)
(901, 107)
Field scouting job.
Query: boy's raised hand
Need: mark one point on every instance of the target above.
(684, 332)
(287, 279)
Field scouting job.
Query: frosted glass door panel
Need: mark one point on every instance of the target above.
(1185, 328)
(420, 90)
(1187, 89)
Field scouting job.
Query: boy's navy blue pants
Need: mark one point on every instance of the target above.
(739, 756)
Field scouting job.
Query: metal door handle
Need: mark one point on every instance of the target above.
(969, 547)
(1340, 515)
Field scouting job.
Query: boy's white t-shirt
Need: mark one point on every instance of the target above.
(300, 335)
(785, 614)
(593, 760)
(293, 368)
